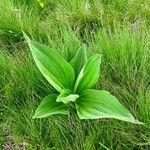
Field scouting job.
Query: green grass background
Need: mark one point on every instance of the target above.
(118, 29)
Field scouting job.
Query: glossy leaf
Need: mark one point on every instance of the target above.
(89, 74)
(55, 69)
(49, 106)
(79, 60)
(95, 104)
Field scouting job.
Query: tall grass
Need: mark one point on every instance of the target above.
(119, 30)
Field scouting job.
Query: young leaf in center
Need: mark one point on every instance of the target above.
(66, 96)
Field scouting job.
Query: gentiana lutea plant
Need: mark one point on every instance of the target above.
(73, 81)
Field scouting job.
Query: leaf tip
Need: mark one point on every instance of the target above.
(25, 36)
(33, 117)
(138, 122)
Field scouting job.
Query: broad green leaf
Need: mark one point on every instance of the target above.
(89, 74)
(49, 106)
(66, 96)
(95, 104)
(55, 69)
(79, 60)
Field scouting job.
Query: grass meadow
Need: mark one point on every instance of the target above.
(117, 29)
